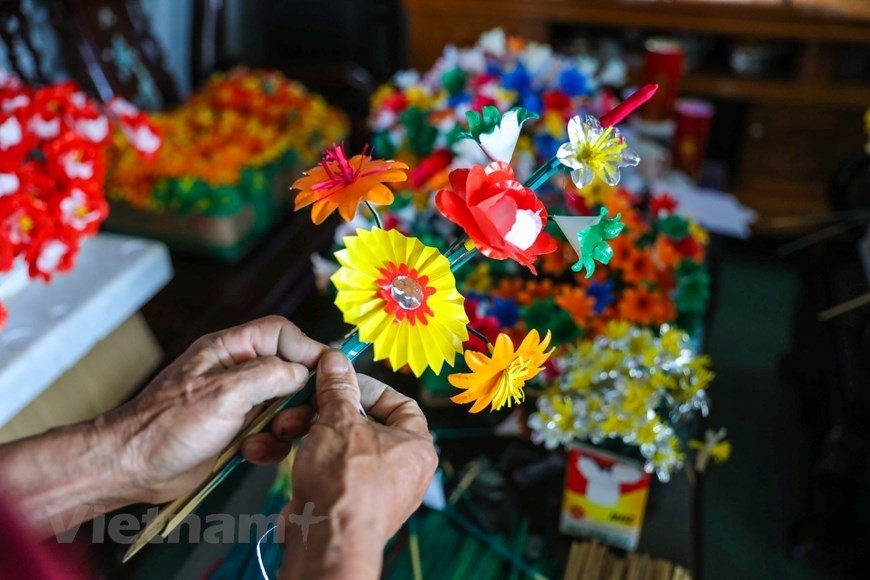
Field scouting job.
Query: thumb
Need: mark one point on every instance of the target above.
(337, 388)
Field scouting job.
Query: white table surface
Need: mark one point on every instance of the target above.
(52, 326)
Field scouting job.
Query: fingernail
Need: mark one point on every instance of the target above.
(334, 362)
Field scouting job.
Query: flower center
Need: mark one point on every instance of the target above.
(513, 380)
(407, 292)
(337, 165)
(600, 148)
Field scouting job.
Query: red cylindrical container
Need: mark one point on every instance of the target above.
(663, 66)
(693, 120)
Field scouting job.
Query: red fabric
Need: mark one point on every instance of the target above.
(21, 556)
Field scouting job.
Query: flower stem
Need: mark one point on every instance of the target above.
(375, 214)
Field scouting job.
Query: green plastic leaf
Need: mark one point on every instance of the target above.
(593, 242)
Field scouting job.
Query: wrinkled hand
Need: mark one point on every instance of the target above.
(173, 431)
(366, 476)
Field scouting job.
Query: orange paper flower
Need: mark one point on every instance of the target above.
(499, 379)
(645, 307)
(639, 268)
(578, 304)
(342, 183)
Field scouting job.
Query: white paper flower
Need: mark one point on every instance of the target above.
(595, 150)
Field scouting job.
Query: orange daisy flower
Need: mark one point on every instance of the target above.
(578, 304)
(639, 268)
(640, 306)
(665, 254)
(556, 263)
(498, 380)
(623, 251)
(342, 183)
(510, 288)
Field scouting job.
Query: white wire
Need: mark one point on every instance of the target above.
(260, 554)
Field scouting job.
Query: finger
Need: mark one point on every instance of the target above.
(391, 407)
(292, 423)
(261, 379)
(264, 449)
(269, 336)
(337, 389)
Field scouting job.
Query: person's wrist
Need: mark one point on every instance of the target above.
(348, 543)
(118, 433)
(108, 435)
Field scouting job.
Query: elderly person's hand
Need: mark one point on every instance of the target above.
(164, 442)
(366, 476)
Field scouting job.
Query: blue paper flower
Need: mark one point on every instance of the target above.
(573, 82)
(517, 80)
(506, 310)
(547, 145)
(603, 294)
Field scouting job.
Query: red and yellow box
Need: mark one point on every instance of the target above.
(605, 497)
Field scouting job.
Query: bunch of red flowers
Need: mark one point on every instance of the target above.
(52, 166)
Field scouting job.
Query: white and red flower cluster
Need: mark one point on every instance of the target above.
(52, 167)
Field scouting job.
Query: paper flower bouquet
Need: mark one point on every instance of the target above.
(53, 143)
(228, 150)
(420, 118)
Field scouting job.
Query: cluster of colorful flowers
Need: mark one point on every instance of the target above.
(53, 143)
(395, 280)
(656, 276)
(628, 385)
(420, 119)
(240, 120)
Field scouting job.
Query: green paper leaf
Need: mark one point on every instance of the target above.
(593, 242)
(454, 81)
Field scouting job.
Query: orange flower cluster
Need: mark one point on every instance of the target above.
(238, 120)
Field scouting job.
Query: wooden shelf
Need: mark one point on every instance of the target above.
(775, 91)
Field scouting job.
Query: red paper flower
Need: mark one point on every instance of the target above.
(81, 208)
(15, 141)
(662, 203)
(50, 255)
(557, 101)
(504, 218)
(71, 158)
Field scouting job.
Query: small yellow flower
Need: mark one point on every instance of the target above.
(617, 329)
(714, 446)
(499, 379)
(672, 341)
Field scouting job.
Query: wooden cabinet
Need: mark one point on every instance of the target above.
(796, 126)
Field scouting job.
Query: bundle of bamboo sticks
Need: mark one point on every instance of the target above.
(594, 561)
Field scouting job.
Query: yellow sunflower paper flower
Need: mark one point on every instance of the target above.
(403, 297)
(342, 183)
(499, 379)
